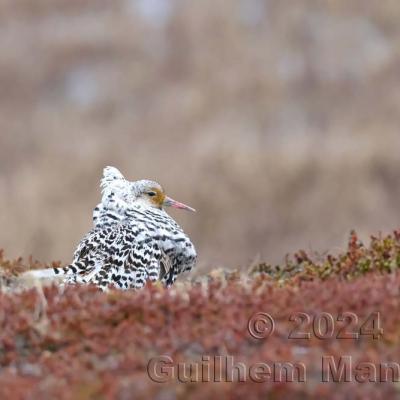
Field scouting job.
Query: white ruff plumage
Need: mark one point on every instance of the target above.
(132, 240)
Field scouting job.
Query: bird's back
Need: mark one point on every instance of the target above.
(127, 249)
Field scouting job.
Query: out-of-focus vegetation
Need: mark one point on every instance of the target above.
(277, 120)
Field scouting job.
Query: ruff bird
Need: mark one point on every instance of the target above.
(133, 239)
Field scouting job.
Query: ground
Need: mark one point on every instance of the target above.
(80, 343)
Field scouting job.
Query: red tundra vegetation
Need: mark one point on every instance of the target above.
(79, 343)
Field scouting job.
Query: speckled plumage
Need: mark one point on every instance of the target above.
(131, 242)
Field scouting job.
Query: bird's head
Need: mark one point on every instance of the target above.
(152, 194)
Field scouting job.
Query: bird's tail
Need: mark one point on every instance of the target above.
(49, 273)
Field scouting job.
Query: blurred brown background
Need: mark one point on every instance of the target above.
(278, 120)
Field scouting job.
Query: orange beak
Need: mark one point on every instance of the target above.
(168, 202)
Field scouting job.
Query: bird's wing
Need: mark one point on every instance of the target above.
(92, 242)
(131, 265)
(113, 255)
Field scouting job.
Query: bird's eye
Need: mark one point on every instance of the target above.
(151, 194)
